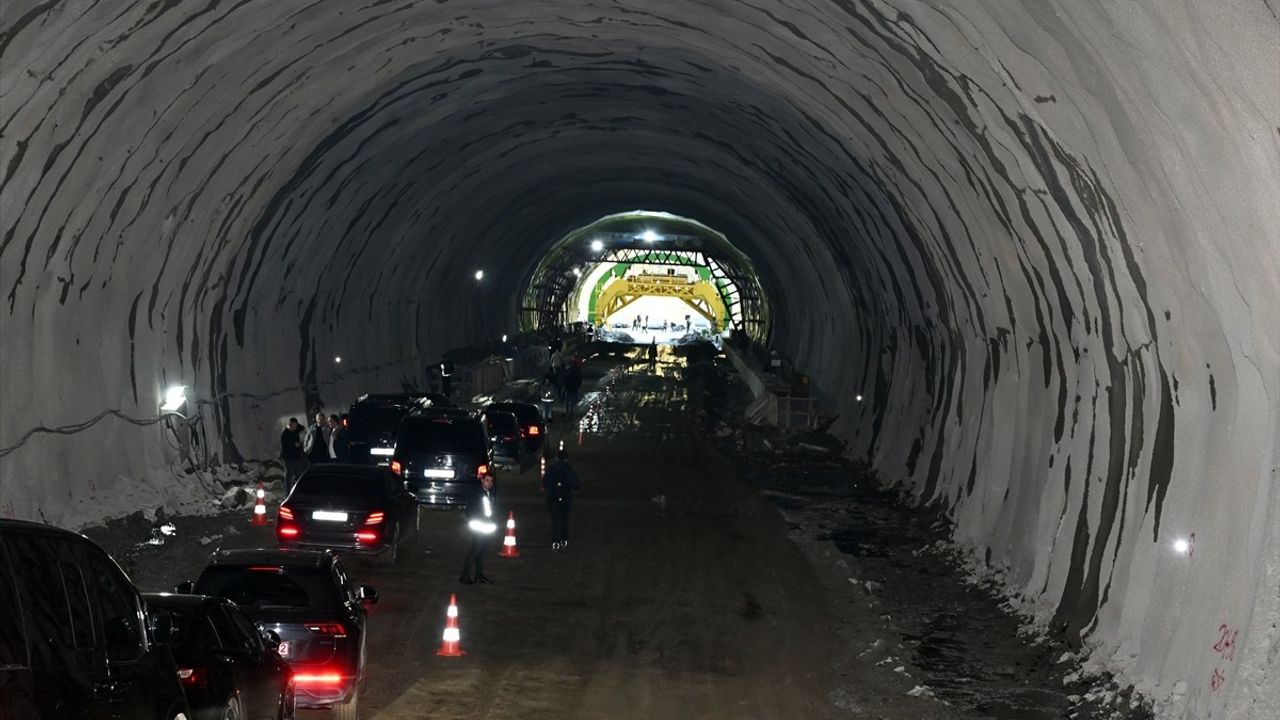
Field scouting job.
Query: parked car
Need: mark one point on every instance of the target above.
(506, 446)
(73, 634)
(441, 455)
(356, 508)
(228, 667)
(307, 600)
(533, 427)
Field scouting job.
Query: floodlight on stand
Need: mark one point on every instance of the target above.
(174, 398)
(597, 246)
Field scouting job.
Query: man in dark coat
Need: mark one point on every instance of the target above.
(559, 484)
(481, 523)
(291, 454)
(339, 440)
(316, 442)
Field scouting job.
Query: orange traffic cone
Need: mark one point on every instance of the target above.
(260, 505)
(509, 542)
(451, 644)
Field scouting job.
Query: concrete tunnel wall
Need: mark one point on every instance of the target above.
(1040, 239)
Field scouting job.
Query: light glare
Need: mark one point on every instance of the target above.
(858, 398)
(597, 246)
(479, 275)
(650, 236)
(174, 398)
(337, 358)
(1181, 546)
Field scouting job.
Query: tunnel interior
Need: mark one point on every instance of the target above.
(1027, 254)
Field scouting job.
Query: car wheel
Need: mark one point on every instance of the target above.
(349, 710)
(231, 711)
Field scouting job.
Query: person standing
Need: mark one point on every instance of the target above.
(559, 483)
(339, 445)
(653, 352)
(572, 383)
(480, 521)
(295, 462)
(316, 442)
(548, 398)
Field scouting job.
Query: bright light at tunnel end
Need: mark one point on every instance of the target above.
(649, 236)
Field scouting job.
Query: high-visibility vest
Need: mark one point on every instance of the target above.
(486, 526)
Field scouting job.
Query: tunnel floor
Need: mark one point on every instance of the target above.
(683, 593)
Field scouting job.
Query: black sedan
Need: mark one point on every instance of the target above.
(357, 508)
(533, 428)
(227, 668)
(307, 600)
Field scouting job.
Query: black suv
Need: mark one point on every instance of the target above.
(533, 428)
(73, 634)
(374, 422)
(441, 455)
(307, 600)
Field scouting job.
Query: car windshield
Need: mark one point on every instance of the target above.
(323, 483)
(379, 418)
(269, 587)
(441, 435)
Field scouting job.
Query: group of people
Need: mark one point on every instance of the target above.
(559, 484)
(325, 440)
(562, 382)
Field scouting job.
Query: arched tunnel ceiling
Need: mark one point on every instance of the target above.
(1040, 238)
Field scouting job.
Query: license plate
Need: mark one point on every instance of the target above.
(435, 473)
(283, 649)
(330, 516)
(388, 452)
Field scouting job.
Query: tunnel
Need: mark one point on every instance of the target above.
(1027, 253)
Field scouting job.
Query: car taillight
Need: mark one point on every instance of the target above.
(285, 513)
(396, 467)
(375, 518)
(367, 536)
(533, 430)
(317, 679)
(287, 531)
(334, 629)
(191, 677)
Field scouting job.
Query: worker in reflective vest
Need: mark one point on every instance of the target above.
(480, 521)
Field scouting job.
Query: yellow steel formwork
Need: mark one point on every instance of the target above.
(700, 295)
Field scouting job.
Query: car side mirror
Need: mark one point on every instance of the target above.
(185, 587)
(270, 638)
(367, 595)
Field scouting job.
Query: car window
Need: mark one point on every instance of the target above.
(13, 636)
(343, 582)
(269, 588)
(37, 574)
(501, 422)
(441, 435)
(247, 630)
(77, 593)
(231, 635)
(527, 414)
(376, 417)
(335, 485)
(118, 608)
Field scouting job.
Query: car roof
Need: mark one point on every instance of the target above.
(270, 556)
(438, 412)
(27, 527)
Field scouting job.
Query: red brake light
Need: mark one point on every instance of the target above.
(191, 677)
(396, 467)
(334, 629)
(533, 430)
(375, 518)
(287, 531)
(266, 568)
(285, 513)
(367, 536)
(315, 679)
